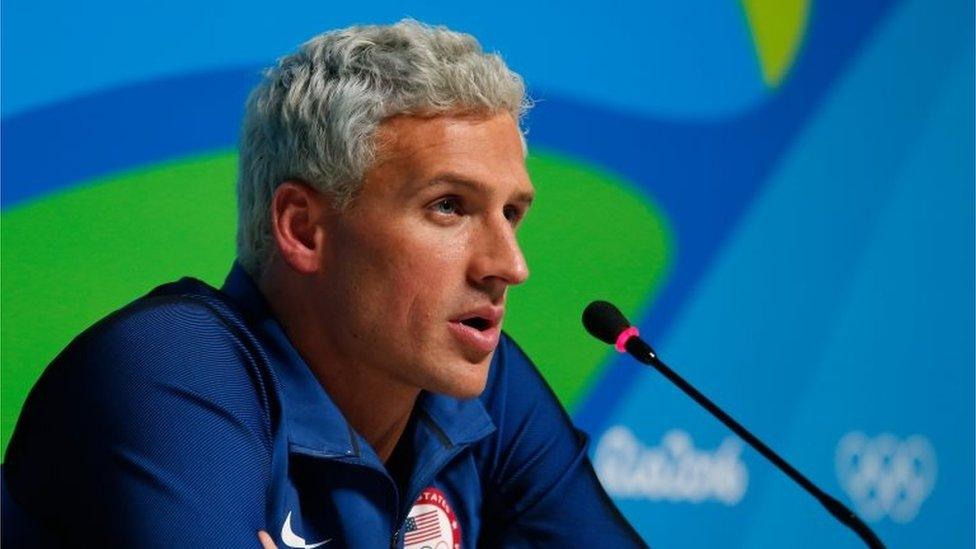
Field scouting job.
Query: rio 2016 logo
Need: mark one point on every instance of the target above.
(886, 476)
(674, 471)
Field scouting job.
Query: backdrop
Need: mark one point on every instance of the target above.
(780, 193)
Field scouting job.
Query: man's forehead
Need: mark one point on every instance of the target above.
(480, 151)
(412, 134)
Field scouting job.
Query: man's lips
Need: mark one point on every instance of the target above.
(478, 329)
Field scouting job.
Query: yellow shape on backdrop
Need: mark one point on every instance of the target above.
(777, 28)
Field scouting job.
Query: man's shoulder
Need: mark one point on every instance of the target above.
(174, 320)
(183, 336)
(510, 368)
(160, 401)
(186, 307)
(517, 391)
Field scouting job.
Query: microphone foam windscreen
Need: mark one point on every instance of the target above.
(604, 321)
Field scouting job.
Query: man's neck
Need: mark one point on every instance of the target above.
(377, 407)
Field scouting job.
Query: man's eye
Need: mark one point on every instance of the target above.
(447, 206)
(513, 214)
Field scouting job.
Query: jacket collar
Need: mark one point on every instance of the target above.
(314, 424)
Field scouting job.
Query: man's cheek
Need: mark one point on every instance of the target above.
(422, 309)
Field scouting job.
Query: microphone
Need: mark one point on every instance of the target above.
(606, 323)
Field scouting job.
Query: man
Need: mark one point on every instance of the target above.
(349, 385)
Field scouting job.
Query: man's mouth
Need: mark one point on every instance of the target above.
(478, 323)
(479, 329)
(481, 318)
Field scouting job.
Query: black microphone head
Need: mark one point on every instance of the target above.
(604, 321)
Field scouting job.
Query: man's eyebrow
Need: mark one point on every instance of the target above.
(525, 197)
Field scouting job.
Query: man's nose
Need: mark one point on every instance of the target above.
(497, 257)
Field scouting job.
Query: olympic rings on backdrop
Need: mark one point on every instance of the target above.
(886, 476)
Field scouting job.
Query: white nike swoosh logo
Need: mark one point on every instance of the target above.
(291, 539)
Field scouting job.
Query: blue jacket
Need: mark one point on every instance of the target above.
(187, 419)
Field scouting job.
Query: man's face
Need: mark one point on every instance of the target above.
(416, 270)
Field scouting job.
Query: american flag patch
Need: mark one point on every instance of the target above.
(421, 528)
(431, 523)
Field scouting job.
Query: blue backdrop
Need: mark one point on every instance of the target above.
(813, 160)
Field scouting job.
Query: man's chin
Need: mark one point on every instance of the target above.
(466, 380)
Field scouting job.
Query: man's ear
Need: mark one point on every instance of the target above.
(297, 211)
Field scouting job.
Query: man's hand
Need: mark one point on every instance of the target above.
(266, 540)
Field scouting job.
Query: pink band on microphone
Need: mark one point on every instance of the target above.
(624, 337)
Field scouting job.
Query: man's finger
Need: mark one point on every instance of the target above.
(266, 540)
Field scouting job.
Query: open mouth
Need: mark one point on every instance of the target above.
(479, 328)
(477, 322)
(478, 332)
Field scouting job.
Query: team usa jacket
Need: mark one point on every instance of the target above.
(188, 419)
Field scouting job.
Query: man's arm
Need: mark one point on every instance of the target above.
(542, 490)
(150, 429)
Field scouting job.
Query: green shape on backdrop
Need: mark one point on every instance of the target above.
(71, 258)
(590, 235)
(777, 28)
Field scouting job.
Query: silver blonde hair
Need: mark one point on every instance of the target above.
(314, 116)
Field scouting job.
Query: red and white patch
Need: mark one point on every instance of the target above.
(431, 523)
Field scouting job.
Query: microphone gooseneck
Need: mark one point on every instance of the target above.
(605, 322)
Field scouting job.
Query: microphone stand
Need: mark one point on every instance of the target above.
(644, 353)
